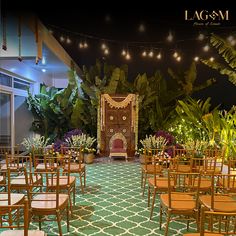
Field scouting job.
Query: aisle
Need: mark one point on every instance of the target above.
(112, 204)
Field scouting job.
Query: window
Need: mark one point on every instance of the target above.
(21, 84)
(5, 80)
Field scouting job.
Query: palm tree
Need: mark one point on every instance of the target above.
(228, 53)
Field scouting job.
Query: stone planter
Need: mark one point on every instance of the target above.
(88, 158)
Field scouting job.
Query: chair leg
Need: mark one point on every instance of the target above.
(160, 223)
(167, 223)
(40, 221)
(142, 179)
(84, 178)
(149, 193)
(74, 194)
(145, 181)
(81, 182)
(59, 222)
(153, 202)
(68, 220)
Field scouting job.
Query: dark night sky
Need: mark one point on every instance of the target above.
(120, 20)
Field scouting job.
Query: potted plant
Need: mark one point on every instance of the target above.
(85, 142)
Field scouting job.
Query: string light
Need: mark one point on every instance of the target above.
(150, 54)
(212, 59)
(201, 37)
(62, 39)
(144, 54)
(85, 45)
(123, 53)
(127, 57)
(155, 45)
(178, 58)
(106, 51)
(104, 46)
(159, 56)
(170, 37)
(206, 48)
(68, 41)
(175, 55)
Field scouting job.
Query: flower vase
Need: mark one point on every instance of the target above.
(88, 158)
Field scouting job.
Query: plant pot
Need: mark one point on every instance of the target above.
(142, 158)
(88, 158)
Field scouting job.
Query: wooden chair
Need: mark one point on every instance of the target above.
(44, 203)
(148, 168)
(118, 146)
(214, 223)
(182, 160)
(157, 183)
(11, 220)
(66, 181)
(218, 202)
(182, 199)
(9, 150)
(77, 166)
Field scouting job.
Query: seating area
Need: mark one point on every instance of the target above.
(112, 201)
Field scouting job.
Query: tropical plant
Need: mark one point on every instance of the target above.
(55, 111)
(36, 142)
(228, 53)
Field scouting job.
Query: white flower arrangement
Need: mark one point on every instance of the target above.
(152, 142)
(37, 142)
(82, 140)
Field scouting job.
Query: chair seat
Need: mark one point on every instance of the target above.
(2, 179)
(183, 168)
(21, 233)
(41, 166)
(20, 180)
(14, 168)
(63, 181)
(161, 183)
(16, 198)
(48, 201)
(75, 167)
(222, 203)
(149, 169)
(205, 184)
(179, 202)
(115, 150)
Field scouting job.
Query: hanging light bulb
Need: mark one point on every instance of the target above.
(178, 58)
(212, 59)
(150, 54)
(106, 51)
(62, 39)
(230, 38)
(85, 45)
(127, 57)
(170, 37)
(206, 48)
(201, 37)
(103, 46)
(175, 55)
(233, 42)
(144, 53)
(159, 56)
(123, 53)
(68, 41)
(196, 58)
(81, 45)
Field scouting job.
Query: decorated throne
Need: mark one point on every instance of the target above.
(118, 146)
(117, 130)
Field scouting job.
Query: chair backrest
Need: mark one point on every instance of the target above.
(117, 140)
(183, 182)
(17, 162)
(227, 183)
(11, 216)
(220, 223)
(50, 178)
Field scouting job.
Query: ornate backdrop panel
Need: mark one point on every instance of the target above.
(118, 114)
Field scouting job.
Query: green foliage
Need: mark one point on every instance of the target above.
(228, 53)
(55, 112)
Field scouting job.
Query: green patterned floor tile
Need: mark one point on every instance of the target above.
(113, 205)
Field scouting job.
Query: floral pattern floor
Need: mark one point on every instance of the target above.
(113, 205)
